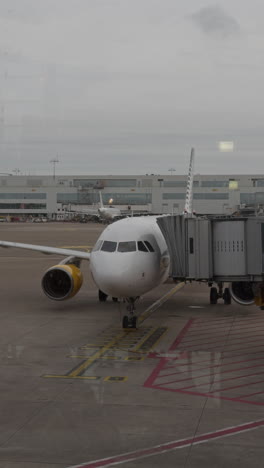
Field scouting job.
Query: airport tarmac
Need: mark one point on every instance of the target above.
(184, 390)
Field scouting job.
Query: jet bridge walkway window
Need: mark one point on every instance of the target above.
(109, 246)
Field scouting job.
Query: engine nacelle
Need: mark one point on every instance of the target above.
(62, 282)
(242, 292)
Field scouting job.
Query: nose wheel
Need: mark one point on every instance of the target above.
(130, 320)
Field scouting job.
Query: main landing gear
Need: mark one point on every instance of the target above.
(103, 297)
(220, 294)
(130, 320)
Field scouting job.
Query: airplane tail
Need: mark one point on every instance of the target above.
(101, 199)
(188, 207)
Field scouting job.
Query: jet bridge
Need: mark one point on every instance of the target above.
(218, 250)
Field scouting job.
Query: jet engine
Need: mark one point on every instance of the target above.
(242, 292)
(62, 282)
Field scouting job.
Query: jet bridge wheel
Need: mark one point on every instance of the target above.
(227, 296)
(213, 296)
(102, 296)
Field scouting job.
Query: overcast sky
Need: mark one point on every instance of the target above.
(128, 86)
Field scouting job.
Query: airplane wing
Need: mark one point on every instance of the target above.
(47, 250)
(86, 211)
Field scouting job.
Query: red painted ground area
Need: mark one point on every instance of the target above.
(218, 358)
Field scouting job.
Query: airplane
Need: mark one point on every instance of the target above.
(129, 259)
(104, 213)
(135, 258)
(108, 213)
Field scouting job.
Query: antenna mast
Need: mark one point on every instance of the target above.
(54, 161)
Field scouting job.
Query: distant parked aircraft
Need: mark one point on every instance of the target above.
(104, 213)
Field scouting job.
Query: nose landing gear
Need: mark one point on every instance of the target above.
(130, 320)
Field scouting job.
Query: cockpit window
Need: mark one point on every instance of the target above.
(97, 245)
(142, 247)
(109, 246)
(127, 246)
(149, 246)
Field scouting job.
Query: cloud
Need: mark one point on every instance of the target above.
(37, 12)
(213, 20)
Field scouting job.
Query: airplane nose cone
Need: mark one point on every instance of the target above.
(117, 286)
(128, 278)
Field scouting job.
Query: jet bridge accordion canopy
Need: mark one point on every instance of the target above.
(215, 248)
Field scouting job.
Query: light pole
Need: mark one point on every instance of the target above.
(171, 170)
(54, 161)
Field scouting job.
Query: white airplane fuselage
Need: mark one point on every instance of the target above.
(109, 214)
(122, 273)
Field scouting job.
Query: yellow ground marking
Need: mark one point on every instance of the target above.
(159, 302)
(95, 356)
(125, 340)
(115, 379)
(115, 358)
(111, 345)
(128, 347)
(103, 357)
(80, 377)
(92, 346)
(137, 348)
(115, 339)
(89, 377)
(135, 358)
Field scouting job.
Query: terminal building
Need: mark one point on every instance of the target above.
(52, 196)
